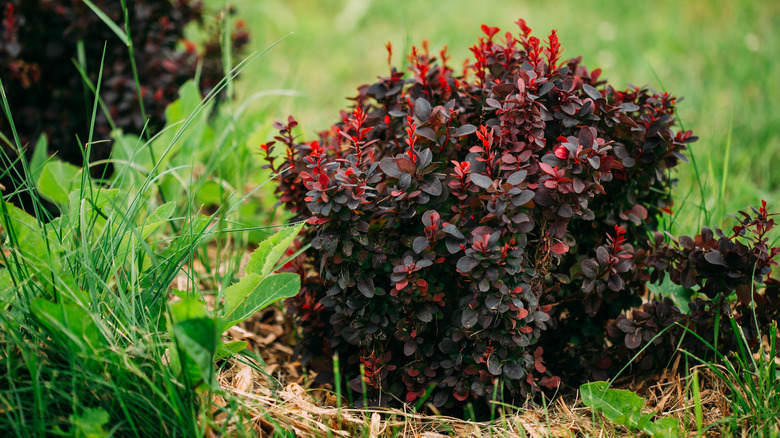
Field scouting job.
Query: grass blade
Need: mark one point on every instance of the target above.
(109, 22)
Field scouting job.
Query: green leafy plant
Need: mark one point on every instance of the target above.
(88, 339)
(93, 282)
(197, 329)
(625, 408)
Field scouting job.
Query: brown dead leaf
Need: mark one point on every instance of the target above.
(244, 379)
(376, 429)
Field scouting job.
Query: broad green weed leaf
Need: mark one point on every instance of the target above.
(254, 293)
(57, 179)
(6, 283)
(185, 148)
(679, 295)
(229, 349)
(199, 338)
(238, 292)
(29, 237)
(271, 250)
(188, 101)
(157, 218)
(89, 208)
(664, 428)
(90, 424)
(61, 281)
(621, 406)
(68, 323)
(130, 155)
(42, 262)
(209, 194)
(100, 199)
(7, 288)
(188, 308)
(625, 408)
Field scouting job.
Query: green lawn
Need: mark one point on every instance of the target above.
(720, 56)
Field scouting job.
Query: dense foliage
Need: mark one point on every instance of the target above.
(730, 271)
(41, 39)
(471, 230)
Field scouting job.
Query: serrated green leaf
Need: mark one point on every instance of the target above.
(253, 293)
(625, 408)
(269, 251)
(57, 179)
(157, 218)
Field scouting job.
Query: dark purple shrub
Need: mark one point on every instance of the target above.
(451, 216)
(46, 93)
(732, 272)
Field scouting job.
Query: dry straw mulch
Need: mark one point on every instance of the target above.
(280, 398)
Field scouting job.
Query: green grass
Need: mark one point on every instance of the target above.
(753, 380)
(720, 56)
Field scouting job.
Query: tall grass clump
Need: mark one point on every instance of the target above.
(113, 311)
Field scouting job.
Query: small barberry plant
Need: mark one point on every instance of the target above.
(728, 276)
(462, 225)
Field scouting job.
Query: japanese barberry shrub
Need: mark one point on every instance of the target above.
(47, 94)
(454, 219)
(727, 280)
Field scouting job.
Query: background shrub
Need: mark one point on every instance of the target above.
(452, 215)
(41, 40)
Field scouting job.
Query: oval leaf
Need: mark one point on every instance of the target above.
(466, 130)
(517, 177)
(469, 318)
(716, 258)
(481, 180)
(591, 91)
(422, 109)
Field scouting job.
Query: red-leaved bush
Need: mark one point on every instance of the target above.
(731, 272)
(466, 228)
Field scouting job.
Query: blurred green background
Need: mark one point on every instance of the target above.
(721, 56)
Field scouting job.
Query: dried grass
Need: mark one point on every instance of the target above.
(280, 399)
